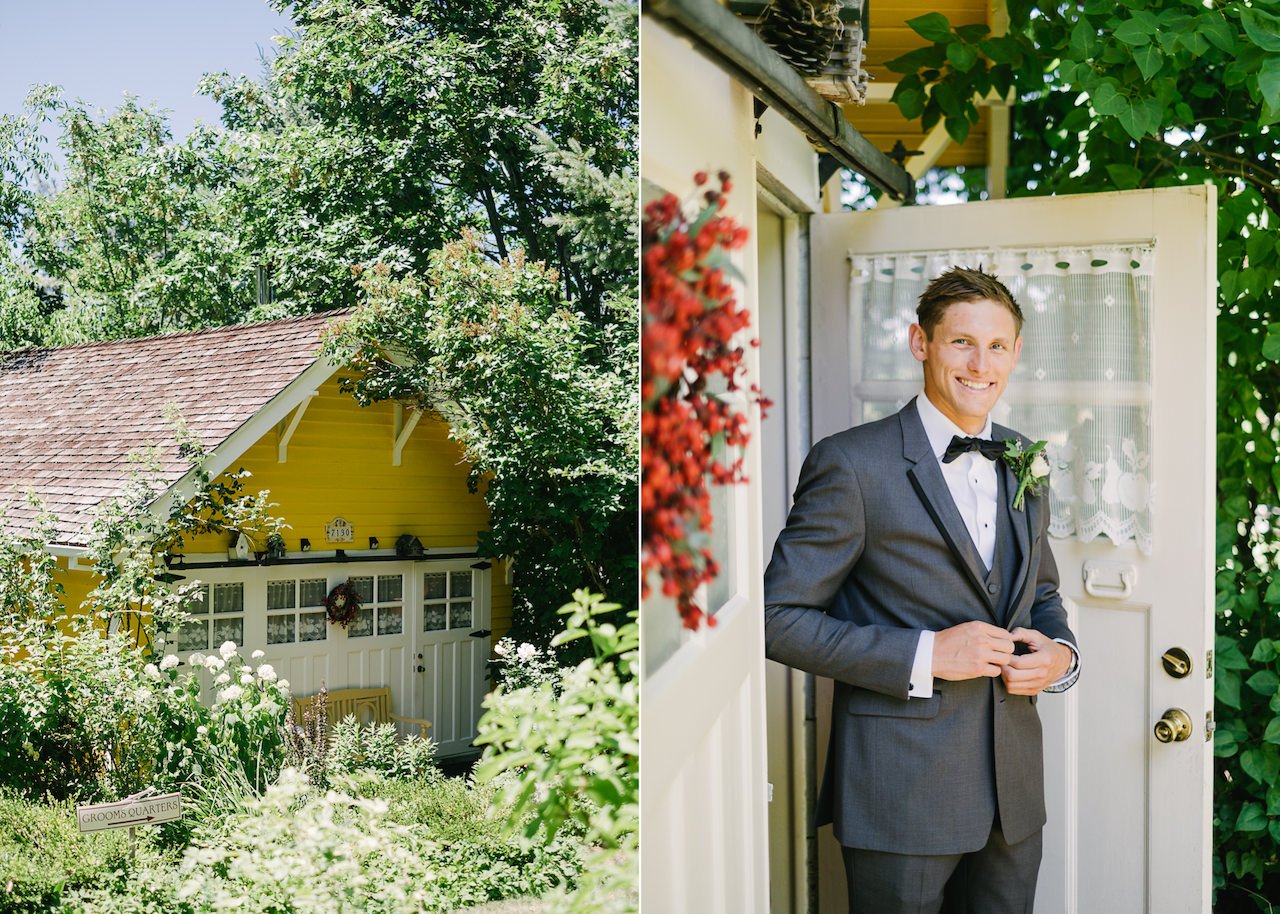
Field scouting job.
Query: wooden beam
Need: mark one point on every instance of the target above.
(286, 431)
(738, 51)
(403, 429)
(934, 145)
(998, 129)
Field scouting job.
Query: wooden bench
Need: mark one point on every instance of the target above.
(367, 706)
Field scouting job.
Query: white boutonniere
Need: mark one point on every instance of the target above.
(1029, 466)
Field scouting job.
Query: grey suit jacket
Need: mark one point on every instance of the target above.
(874, 551)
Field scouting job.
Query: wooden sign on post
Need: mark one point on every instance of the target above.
(139, 809)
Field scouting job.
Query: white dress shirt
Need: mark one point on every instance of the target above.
(975, 488)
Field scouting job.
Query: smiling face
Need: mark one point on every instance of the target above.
(968, 360)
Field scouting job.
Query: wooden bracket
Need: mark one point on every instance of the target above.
(403, 429)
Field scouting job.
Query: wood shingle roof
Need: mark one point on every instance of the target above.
(71, 417)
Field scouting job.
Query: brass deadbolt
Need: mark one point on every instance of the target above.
(1174, 726)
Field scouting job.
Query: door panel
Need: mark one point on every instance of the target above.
(1129, 817)
(451, 601)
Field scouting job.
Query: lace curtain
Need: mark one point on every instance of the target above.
(1083, 382)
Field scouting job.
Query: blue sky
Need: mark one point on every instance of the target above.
(155, 49)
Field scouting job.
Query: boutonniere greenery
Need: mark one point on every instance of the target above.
(1029, 467)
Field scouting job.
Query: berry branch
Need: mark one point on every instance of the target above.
(691, 324)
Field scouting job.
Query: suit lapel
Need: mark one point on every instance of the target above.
(926, 478)
(1021, 520)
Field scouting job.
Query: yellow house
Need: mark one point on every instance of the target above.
(375, 495)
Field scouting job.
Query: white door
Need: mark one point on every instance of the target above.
(371, 652)
(451, 619)
(1129, 816)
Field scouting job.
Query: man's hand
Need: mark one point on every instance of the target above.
(970, 650)
(1048, 661)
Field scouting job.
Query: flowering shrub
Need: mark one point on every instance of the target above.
(691, 323)
(524, 664)
(572, 759)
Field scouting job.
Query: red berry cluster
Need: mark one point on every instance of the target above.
(690, 323)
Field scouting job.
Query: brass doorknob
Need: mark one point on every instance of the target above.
(1174, 726)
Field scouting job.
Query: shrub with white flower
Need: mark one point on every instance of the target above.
(524, 664)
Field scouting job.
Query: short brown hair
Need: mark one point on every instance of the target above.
(962, 284)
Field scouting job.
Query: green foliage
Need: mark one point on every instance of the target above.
(575, 753)
(1120, 96)
(541, 401)
(378, 748)
(384, 847)
(43, 855)
(379, 132)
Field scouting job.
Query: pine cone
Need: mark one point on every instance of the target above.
(802, 32)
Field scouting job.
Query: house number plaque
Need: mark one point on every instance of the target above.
(339, 530)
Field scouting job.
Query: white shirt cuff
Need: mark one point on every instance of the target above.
(922, 668)
(1073, 671)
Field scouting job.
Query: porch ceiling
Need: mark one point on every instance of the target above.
(888, 37)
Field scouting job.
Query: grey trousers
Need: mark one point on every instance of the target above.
(999, 879)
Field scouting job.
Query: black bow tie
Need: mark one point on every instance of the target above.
(985, 446)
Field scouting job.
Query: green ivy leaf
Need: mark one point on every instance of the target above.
(1124, 177)
(1261, 764)
(962, 56)
(1225, 744)
(1272, 734)
(1227, 689)
(1149, 59)
(1228, 654)
(973, 33)
(1133, 33)
(1142, 117)
(1269, 82)
(1271, 350)
(1252, 818)
(1215, 28)
(1264, 682)
(1083, 39)
(1262, 28)
(958, 128)
(1107, 100)
(932, 27)
(1264, 651)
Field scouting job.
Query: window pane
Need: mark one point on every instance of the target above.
(364, 588)
(228, 598)
(362, 625)
(280, 594)
(280, 629)
(433, 586)
(313, 627)
(390, 620)
(312, 592)
(194, 636)
(390, 588)
(199, 605)
(228, 630)
(460, 615)
(460, 584)
(433, 618)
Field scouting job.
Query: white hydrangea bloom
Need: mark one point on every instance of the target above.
(227, 649)
(230, 693)
(284, 684)
(223, 679)
(257, 654)
(169, 661)
(197, 659)
(213, 664)
(267, 672)
(246, 678)
(151, 670)
(526, 651)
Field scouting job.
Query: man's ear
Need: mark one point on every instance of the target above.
(916, 339)
(1017, 348)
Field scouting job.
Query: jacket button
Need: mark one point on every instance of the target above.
(993, 588)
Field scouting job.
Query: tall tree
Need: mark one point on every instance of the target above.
(1151, 93)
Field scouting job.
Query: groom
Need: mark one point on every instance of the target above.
(906, 575)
